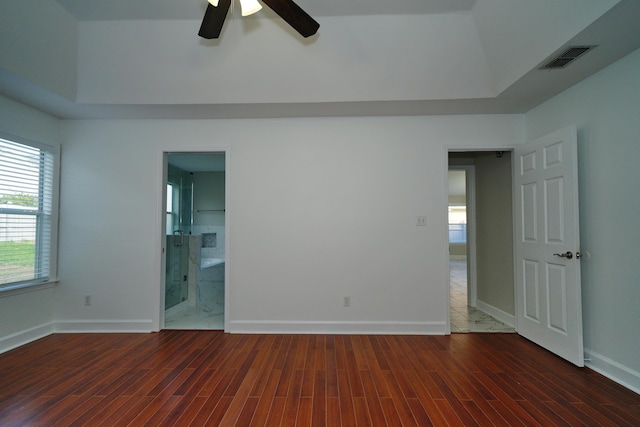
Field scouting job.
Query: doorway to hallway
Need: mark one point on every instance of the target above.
(465, 318)
(481, 284)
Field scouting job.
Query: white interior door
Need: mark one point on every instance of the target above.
(547, 241)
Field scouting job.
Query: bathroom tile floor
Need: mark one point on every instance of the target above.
(207, 314)
(195, 318)
(463, 317)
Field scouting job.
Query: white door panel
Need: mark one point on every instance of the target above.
(548, 291)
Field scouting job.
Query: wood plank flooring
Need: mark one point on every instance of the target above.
(198, 378)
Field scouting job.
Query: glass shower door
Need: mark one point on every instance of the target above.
(178, 214)
(176, 282)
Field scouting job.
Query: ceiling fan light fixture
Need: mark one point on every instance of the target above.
(290, 12)
(249, 7)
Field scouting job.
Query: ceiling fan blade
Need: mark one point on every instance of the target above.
(294, 16)
(214, 19)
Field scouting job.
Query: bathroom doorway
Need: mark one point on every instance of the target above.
(194, 256)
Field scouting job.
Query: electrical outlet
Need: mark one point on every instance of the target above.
(87, 300)
(422, 220)
(347, 301)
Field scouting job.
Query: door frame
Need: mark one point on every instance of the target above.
(161, 209)
(452, 149)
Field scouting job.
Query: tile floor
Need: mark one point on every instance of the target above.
(207, 314)
(463, 317)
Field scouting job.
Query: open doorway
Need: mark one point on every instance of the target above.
(195, 245)
(480, 242)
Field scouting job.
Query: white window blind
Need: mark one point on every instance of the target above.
(26, 204)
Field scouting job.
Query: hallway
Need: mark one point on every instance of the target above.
(463, 317)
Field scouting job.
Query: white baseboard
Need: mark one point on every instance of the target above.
(613, 370)
(241, 327)
(104, 326)
(73, 326)
(25, 337)
(353, 328)
(496, 313)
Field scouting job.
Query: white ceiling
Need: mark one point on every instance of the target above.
(99, 10)
(143, 58)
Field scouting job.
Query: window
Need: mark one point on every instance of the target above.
(173, 199)
(457, 224)
(27, 213)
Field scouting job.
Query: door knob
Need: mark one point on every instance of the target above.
(567, 255)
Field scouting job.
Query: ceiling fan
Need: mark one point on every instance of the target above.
(289, 11)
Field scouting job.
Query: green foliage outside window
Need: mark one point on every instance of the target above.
(20, 199)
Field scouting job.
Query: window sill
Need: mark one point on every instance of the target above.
(22, 288)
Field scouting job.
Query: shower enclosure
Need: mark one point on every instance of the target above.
(179, 219)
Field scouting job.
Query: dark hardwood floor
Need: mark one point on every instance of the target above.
(179, 378)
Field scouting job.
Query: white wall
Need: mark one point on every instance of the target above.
(208, 198)
(259, 61)
(28, 314)
(319, 209)
(39, 43)
(606, 108)
(494, 235)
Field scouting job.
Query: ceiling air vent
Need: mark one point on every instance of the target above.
(566, 57)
